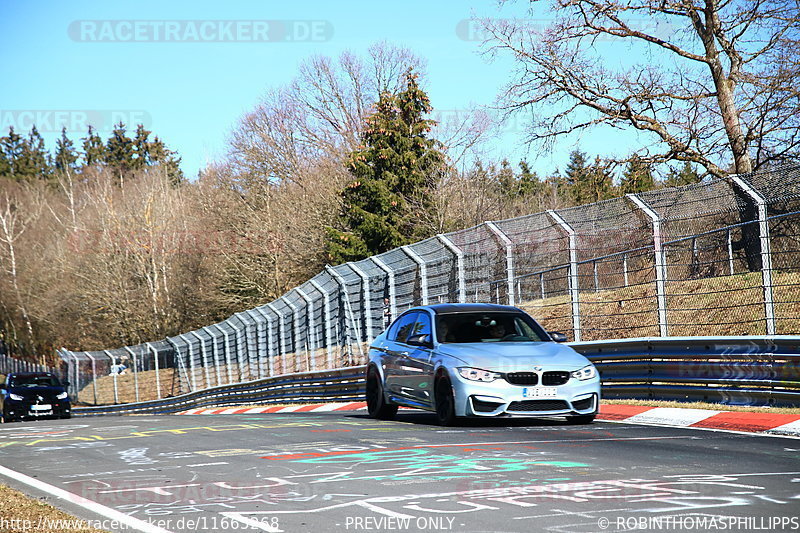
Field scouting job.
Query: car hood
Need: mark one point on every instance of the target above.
(516, 356)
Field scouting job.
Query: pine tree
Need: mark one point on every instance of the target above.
(637, 177)
(159, 154)
(27, 158)
(141, 148)
(393, 170)
(528, 182)
(12, 148)
(5, 164)
(506, 180)
(39, 159)
(685, 176)
(587, 183)
(119, 149)
(66, 157)
(94, 151)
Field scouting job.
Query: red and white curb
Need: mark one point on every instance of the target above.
(314, 408)
(762, 423)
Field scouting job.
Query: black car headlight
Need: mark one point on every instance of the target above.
(16, 397)
(587, 372)
(62, 396)
(477, 374)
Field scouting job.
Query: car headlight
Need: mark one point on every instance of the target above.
(476, 374)
(16, 397)
(587, 372)
(62, 396)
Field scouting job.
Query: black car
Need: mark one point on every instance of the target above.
(33, 395)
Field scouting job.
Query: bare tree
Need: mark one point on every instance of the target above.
(319, 115)
(716, 84)
(16, 217)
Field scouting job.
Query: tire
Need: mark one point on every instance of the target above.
(445, 403)
(581, 419)
(376, 400)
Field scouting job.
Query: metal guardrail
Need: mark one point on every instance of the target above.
(341, 385)
(726, 370)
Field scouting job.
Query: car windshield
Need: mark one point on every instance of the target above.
(33, 381)
(488, 327)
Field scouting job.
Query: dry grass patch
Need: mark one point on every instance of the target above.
(22, 514)
(725, 305)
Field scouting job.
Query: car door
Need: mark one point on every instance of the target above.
(396, 351)
(418, 363)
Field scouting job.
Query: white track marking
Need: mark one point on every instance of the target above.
(673, 416)
(102, 510)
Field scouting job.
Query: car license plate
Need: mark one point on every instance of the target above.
(539, 392)
(43, 407)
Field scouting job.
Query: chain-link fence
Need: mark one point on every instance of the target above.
(713, 258)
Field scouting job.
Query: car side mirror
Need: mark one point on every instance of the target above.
(419, 340)
(557, 336)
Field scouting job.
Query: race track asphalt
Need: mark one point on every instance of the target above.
(322, 472)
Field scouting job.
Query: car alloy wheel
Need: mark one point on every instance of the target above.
(376, 402)
(445, 404)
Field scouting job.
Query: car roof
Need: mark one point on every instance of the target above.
(30, 374)
(447, 309)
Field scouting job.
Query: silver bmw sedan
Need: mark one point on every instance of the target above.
(478, 360)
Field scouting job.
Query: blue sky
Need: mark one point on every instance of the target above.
(192, 94)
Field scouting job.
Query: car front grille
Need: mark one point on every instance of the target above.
(586, 403)
(538, 405)
(553, 379)
(522, 378)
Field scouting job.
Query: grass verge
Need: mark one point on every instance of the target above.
(22, 514)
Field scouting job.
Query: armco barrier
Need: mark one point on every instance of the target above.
(342, 385)
(726, 370)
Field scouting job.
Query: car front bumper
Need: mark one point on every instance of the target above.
(24, 410)
(500, 398)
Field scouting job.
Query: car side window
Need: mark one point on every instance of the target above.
(404, 327)
(423, 325)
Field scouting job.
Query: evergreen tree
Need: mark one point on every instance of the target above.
(66, 157)
(94, 151)
(119, 149)
(141, 148)
(27, 158)
(393, 170)
(506, 179)
(5, 164)
(637, 177)
(159, 154)
(587, 182)
(528, 182)
(13, 148)
(685, 176)
(39, 157)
